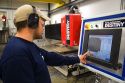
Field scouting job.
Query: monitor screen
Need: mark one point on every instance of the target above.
(104, 44)
(100, 46)
(53, 31)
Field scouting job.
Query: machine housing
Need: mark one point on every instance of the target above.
(70, 29)
(106, 25)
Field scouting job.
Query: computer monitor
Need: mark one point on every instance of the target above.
(104, 44)
(53, 31)
(100, 46)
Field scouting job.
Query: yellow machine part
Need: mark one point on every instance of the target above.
(57, 3)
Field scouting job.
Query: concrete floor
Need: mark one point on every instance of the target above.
(89, 77)
(57, 77)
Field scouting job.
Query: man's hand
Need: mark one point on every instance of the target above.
(83, 57)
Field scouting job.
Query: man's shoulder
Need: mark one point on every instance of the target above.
(16, 46)
(16, 43)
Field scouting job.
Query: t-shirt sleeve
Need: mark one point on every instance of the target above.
(54, 59)
(18, 69)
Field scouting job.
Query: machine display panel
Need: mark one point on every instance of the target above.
(100, 46)
(104, 45)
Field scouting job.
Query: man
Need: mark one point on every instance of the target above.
(23, 61)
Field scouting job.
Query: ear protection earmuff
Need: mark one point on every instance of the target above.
(33, 19)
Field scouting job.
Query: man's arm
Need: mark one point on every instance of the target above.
(18, 69)
(54, 59)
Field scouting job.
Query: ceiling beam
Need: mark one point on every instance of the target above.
(48, 1)
(66, 6)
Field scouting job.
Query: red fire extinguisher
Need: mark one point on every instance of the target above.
(4, 20)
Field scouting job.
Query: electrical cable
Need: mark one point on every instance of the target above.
(97, 78)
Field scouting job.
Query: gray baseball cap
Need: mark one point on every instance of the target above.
(22, 13)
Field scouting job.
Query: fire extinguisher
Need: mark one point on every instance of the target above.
(4, 21)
